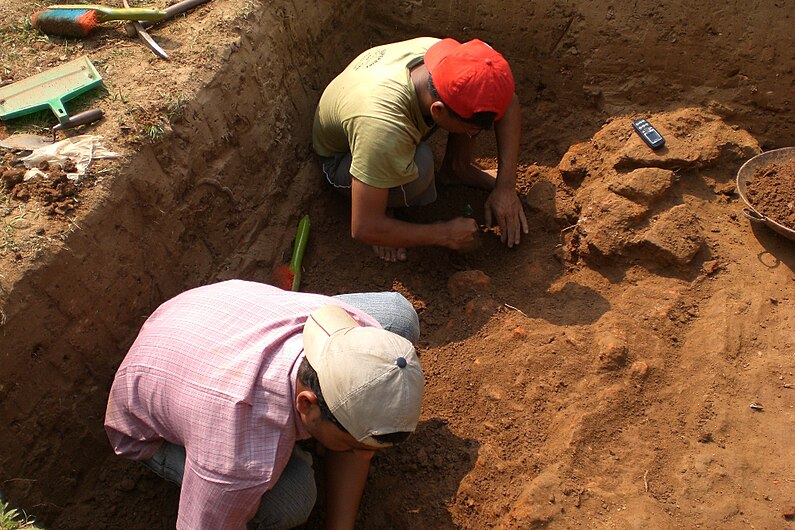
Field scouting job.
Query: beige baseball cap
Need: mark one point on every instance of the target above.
(371, 378)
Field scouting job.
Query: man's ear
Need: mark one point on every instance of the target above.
(305, 401)
(437, 109)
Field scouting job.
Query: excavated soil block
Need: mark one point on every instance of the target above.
(771, 191)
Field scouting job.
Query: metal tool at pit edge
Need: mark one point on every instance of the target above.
(134, 28)
(146, 38)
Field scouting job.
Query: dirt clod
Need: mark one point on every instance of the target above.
(12, 176)
(471, 281)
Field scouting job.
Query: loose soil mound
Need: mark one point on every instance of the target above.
(771, 191)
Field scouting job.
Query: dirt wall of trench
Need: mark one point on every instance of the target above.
(181, 213)
(578, 63)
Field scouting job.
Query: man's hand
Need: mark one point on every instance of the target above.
(462, 234)
(503, 206)
(370, 224)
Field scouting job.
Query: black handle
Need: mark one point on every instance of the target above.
(79, 119)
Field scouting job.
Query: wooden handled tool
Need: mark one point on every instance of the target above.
(79, 20)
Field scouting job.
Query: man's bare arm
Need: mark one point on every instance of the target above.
(503, 205)
(371, 225)
(346, 474)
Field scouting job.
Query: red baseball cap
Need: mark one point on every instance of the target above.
(470, 77)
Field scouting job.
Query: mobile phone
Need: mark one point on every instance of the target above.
(649, 134)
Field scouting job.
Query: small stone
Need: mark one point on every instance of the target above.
(675, 237)
(639, 369)
(644, 185)
(468, 282)
(710, 267)
(12, 177)
(574, 165)
(612, 351)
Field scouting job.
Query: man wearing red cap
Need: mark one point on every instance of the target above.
(371, 127)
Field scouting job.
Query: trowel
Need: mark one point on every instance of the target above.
(25, 142)
(50, 89)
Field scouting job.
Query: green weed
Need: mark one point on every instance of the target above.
(174, 105)
(20, 33)
(154, 132)
(12, 519)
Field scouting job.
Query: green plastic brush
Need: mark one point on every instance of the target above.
(78, 20)
(288, 277)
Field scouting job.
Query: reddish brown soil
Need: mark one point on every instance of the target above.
(604, 375)
(771, 191)
(629, 365)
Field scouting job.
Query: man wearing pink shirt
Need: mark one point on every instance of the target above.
(222, 381)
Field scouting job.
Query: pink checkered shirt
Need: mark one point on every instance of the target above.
(214, 370)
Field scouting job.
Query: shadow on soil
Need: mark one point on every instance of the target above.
(419, 477)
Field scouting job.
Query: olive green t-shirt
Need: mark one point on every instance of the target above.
(371, 110)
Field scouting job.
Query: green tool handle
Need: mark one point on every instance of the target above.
(298, 251)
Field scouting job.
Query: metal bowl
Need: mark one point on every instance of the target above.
(744, 176)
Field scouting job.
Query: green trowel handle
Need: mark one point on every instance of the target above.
(299, 247)
(79, 119)
(132, 13)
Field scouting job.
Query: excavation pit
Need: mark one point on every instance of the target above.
(602, 375)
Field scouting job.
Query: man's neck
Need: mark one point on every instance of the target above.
(419, 77)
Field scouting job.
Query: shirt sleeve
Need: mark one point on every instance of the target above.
(210, 505)
(382, 152)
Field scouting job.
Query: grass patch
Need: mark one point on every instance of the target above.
(13, 519)
(154, 132)
(18, 36)
(8, 240)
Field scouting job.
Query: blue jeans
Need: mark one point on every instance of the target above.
(289, 503)
(418, 192)
(391, 310)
